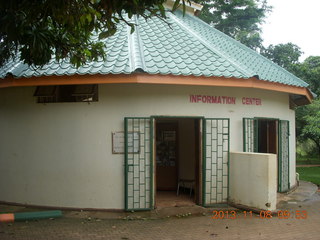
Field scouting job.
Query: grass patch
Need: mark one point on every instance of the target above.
(307, 160)
(308, 163)
(311, 174)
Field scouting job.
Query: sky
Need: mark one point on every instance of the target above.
(296, 21)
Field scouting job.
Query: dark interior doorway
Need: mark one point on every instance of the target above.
(267, 136)
(167, 155)
(177, 160)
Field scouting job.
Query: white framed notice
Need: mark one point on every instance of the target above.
(118, 142)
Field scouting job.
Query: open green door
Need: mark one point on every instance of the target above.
(283, 157)
(215, 161)
(250, 135)
(138, 163)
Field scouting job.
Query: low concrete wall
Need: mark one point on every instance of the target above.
(253, 180)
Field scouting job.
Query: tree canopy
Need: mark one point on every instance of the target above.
(307, 117)
(37, 30)
(285, 55)
(240, 19)
(309, 70)
(309, 127)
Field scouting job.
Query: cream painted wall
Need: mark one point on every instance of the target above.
(60, 154)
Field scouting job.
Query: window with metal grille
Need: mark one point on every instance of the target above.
(67, 93)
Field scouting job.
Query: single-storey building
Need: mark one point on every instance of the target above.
(169, 107)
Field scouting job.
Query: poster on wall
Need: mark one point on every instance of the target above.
(169, 136)
(118, 142)
(166, 148)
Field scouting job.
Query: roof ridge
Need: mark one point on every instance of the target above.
(245, 71)
(135, 47)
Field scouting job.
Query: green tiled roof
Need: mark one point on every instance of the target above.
(187, 47)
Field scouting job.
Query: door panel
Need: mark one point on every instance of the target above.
(215, 161)
(249, 136)
(273, 137)
(138, 164)
(283, 157)
(269, 136)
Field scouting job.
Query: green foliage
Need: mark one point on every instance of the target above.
(307, 117)
(304, 117)
(306, 150)
(37, 30)
(309, 71)
(307, 160)
(312, 119)
(239, 19)
(285, 55)
(308, 123)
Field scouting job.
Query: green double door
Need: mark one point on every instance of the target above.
(269, 136)
(139, 162)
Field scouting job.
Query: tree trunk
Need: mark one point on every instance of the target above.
(318, 145)
(317, 142)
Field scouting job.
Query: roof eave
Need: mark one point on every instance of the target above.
(304, 94)
(301, 100)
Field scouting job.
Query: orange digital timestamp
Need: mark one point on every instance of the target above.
(298, 214)
(282, 214)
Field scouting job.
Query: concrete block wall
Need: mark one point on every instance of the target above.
(253, 180)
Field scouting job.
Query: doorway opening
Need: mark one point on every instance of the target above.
(273, 137)
(270, 136)
(267, 136)
(177, 162)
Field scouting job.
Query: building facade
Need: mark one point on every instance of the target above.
(112, 134)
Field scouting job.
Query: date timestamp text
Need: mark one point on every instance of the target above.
(282, 214)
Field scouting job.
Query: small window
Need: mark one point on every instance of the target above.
(46, 94)
(67, 93)
(85, 93)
